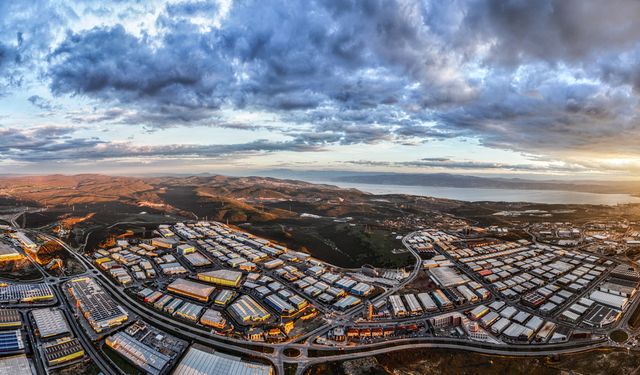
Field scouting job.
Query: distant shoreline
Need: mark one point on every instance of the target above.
(493, 194)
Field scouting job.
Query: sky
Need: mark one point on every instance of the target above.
(482, 87)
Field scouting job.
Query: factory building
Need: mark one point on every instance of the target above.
(273, 264)
(227, 278)
(203, 360)
(397, 306)
(626, 272)
(11, 341)
(247, 311)
(347, 302)
(191, 289)
(50, 322)
(213, 318)
(362, 289)
(478, 312)
(100, 310)
(278, 304)
(141, 355)
(427, 302)
(413, 304)
(62, 350)
(10, 318)
(224, 297)
(25, 293)
(468, 295)
(25, 241)
(441, 300)
(446, 277)
(617, 302)
(17, 364)
(8, 253)
(164, 243)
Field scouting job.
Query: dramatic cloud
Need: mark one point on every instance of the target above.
(470, 165)
(555, 79)
(55, 144)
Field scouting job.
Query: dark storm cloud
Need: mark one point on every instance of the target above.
(111, 64)
(568, 30)
(293, 58)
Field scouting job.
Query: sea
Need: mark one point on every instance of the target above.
(493, 195)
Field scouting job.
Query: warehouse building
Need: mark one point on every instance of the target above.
(50, 322)
(278, 304)
(611, 300)
(441, 300)
(545, 332)
(141, 355)
(191, 289)
(25, 241)
(25, 293)
(164, 243)
(468, 295)
(626, 272)
(8, 253)
(446, 277)
(189, 311)
(197, 260)
(172, 268)
(17, 364)
(499, 326)
(362, 289)
(62, 351)
(11, 341)
(427, 302)
(518, 332)
(489, 319)
(414, 305)
(247, 311)
(347, 302)
(478, 312)
(213, 318)
(397, 307)
(617, 289)
(100, 310)
(224, 297)
(273, 264)
(299, 302)
(601, 316)
(227, 278)
(201, 360)
(10, 318)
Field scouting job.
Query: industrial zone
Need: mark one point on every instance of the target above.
(207, 298)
